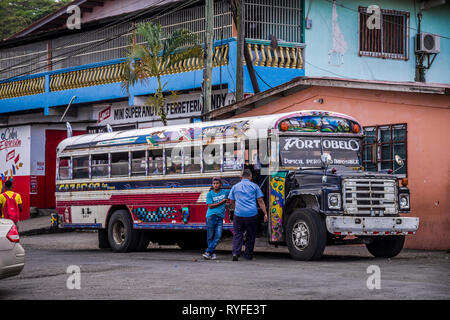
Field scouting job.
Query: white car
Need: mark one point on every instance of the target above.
(12, 254)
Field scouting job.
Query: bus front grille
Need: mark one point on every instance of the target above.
(369, 196)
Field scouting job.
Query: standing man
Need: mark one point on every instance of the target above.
(11, 203)
(216, 200)
(244, 196)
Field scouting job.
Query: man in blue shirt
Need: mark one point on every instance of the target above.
(244, 196)
(216, 200)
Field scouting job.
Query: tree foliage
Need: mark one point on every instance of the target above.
(156, 56)
(16, 14)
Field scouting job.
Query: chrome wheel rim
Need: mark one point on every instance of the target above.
(300, 235)
(119, 232)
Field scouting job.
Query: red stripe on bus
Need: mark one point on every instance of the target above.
(145, 199)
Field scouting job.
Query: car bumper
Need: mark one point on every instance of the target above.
(342, 225)
(12, 261)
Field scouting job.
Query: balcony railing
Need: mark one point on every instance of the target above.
(97, 74)
(285, 55)
(18, 88)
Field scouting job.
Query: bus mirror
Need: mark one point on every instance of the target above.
(326, 159)
(399, 160)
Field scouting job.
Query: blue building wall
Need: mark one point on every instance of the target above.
(319, 42)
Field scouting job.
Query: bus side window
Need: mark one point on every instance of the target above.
(64, 168)
(155, 162)
(232, 157)
(192, 159)
(119, 164)
(81, 167)
(138, 163)
(211, 157)
(173, 161)
(99, 165)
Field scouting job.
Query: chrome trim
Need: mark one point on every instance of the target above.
(369, 196)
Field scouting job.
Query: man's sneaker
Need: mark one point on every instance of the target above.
(213, 256)
(235, 258)
(207, 255)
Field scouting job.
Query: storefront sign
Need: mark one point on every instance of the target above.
(14, 151)
(306, 151)
(180, 106)
(33, 185)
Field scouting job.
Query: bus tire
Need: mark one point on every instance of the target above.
(122, 237)
(386, 246)
(306, 235)
(103, 242)
(143, 242)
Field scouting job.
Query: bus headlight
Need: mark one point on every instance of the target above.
(334, 200)
(404, 201)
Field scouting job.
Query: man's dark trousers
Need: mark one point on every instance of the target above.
(241, 225)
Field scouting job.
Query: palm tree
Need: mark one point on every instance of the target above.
(155, 57)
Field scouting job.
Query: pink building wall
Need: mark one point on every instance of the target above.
(428, 140)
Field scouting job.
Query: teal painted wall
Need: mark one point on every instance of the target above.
(319, 42)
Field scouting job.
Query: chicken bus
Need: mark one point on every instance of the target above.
(150, 184)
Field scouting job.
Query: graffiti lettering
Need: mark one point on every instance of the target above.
(9, 139)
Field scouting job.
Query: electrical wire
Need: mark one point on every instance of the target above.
(390, 22)
(84, 35)
(90, 46)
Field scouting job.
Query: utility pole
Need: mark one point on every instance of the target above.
(240, 51)
(244, 50)
(207, 73)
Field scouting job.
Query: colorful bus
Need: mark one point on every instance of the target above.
(150, 184)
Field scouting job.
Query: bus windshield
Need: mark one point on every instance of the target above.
(304, 151)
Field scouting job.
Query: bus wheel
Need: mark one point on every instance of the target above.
(103, 242)
(386, 246)
(306, 235)
(122, 237)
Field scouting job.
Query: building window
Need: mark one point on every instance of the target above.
(280, 18)
(383, 33)
(381, 144)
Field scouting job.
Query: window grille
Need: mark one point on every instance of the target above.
(280, 18)
(381, 144)
(23, 60)
(389, 38)
(193, 19)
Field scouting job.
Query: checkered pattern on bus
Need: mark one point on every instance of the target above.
(163, 213)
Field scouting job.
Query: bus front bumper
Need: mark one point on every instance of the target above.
(361, 226)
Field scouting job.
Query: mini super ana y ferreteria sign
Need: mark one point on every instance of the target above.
(306, 151)
(182, 106)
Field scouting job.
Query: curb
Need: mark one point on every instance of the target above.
(45, 230)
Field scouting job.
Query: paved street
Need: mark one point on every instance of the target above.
(170, 273)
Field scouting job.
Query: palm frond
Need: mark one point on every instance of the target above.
(154, 57)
